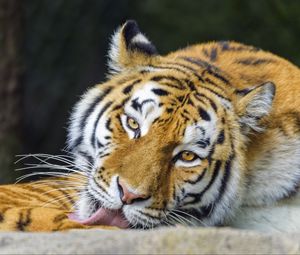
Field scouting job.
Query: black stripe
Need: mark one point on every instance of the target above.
(203, 143)
(226, 46)
(221, 137)
(191, 85)
(98, 193)
(107, 125)
(87, 113)
(190, 102)
(180, 98)
(211, 69)
(201, 63)
(213, 105)
(198, 196)
(213, 54)
(207, 210)
(160, 92)
(93, 135)
(129, 87)
(99, 144)
(203, 114)
(205, 52)
(93, 105)
(24, 220)
(185, 117)
(169, 110)
(199, 178)
(119, 106)
(104, 155)
(254, 61)
(200, 99)
(76, 143)
(225, 178)
(60, 217)
(218, 76)
(215, 174)
(170, 68)
(149, 215)
(67, 196)
(170, 78)
(216, 93)
(192, 70)
(139, 106)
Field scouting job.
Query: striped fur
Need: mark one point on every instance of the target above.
(39, 206)
(234, 106)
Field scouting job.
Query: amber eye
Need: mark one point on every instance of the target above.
(132, 123)
(188, 156)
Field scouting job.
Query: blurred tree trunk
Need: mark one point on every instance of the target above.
(10, 92)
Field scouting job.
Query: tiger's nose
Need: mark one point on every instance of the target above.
(128, 197)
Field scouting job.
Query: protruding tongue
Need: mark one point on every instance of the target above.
(103, 217)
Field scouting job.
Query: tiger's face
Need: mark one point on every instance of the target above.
(160, 146)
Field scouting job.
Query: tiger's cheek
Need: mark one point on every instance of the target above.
(185, 174)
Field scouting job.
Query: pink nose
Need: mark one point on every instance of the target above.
(129, 197)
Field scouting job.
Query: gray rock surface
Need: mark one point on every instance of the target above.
(177, 240)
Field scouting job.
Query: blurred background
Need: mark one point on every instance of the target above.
(51, 51)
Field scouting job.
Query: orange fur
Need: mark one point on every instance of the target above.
(222, 68)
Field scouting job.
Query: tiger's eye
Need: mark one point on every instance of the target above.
(132, 123)
(188, 156)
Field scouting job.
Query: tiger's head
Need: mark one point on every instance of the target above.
(163, 140)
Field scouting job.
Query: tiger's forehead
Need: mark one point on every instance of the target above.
(152, 103)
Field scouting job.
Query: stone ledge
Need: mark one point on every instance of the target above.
(177, 240)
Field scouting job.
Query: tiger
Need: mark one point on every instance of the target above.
(208, 135)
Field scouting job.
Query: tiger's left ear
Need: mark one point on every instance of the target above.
(254, 103)
(129, 48)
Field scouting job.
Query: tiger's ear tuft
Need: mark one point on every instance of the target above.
(253, 104)
(129, 48)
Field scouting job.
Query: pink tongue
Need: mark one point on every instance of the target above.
(103, 217)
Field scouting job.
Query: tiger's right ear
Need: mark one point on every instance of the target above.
(129, 48)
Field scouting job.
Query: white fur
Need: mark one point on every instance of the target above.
(83, 104)
(114, 50)
(279, 217)
(140, 38)
(259, 106)
(113, 53)
(225, 208)
(150, 111)
(274, 173)
(193, 134)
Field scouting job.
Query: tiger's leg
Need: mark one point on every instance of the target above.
(36, 219)
(38, 206)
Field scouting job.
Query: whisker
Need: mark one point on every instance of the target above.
(54, 174)
(66, 170)
(175, 219)
(74, 155)
(57, 182)
(45, 158)
(189, 215)
(56, 200)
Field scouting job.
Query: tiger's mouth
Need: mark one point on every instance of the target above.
(103, 216)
